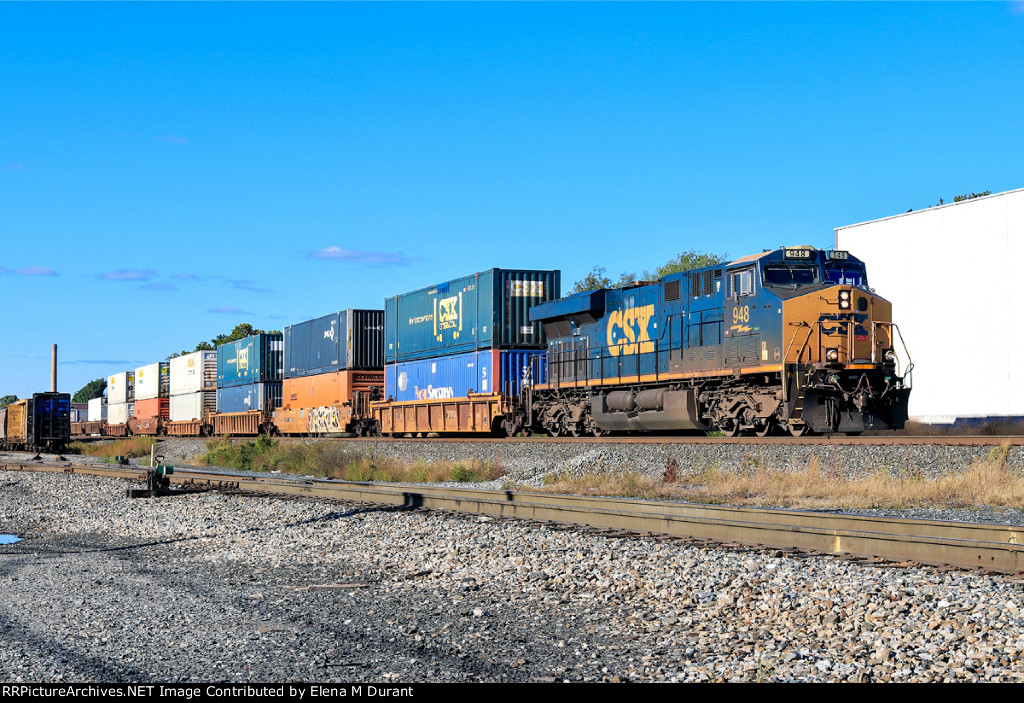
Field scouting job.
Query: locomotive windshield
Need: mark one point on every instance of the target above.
(846, 273)
(790, 275)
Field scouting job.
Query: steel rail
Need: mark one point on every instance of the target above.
(998, 548)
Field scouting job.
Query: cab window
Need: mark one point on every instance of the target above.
(846, 274)
(742, 282)
(784, 275)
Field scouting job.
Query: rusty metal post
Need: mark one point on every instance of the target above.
(53, 370)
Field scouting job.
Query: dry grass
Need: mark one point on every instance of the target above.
(335, 461)
(990, 428)
(989, 482)
(130, 447)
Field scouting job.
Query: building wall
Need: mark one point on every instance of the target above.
(950, 273)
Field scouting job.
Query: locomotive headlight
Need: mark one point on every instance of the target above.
(831, 355)
(844, 300)
(889, 356)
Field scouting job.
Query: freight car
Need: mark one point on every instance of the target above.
(792, 339)
(42, 422)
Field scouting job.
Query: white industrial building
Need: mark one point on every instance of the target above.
(950, 273)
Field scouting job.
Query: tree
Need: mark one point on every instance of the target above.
(239, 332)
(686, 261)
(7, 400)
(689, 260)
(92, 389)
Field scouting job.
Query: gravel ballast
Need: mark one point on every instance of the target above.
(232, 588)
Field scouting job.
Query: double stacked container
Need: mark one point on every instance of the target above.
(330, 362)
(193, 386)
(468, 335)
(120, 398)
(249, 374)
(152, 393)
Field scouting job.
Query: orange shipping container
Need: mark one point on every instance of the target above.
(327, 389)
(154, 407)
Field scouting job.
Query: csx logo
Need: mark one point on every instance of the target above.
(448, 313)
(243, 359)
(627, 331)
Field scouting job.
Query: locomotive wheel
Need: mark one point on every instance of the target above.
(572, 429)
(730, 428)
(797, 430)
(763, 430)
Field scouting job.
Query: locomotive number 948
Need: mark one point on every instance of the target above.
(792, 339)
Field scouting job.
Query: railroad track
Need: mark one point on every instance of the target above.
(941, 440)
(998, 548)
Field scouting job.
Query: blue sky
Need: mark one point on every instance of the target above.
(170, 170)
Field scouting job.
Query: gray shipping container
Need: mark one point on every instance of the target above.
(349, 339)
(486, 310)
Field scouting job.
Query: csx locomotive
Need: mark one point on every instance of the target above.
(792, 339)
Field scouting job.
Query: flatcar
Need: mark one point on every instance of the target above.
(792, 340)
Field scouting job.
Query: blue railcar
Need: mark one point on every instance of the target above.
(791, 338)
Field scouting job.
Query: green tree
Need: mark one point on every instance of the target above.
(7, 400)
(685, 261)
(239, 332)
(689, 260)
(593, 281)
(92, 389)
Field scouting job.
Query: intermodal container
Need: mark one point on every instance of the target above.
(97, 409)
(486, 310)
(19, 428)
(121, 388)
(194, 372)
(193, 406)
(254, 359)
(120, 413)
(51, 417)
(153, 407)
(328, 388)
(456, 376)
(79, 412)
(349, 339)
(3, 425)
(251, 396)
(153, 381)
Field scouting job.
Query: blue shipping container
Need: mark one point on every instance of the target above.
(349, 339)
(251, 396)
(255, 359)
(490, 371)
(486, 310)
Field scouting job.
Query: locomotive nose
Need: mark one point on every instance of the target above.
(840, 325)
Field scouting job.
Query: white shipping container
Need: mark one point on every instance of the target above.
(194, 372)
(193, 406)
(121, 387)
(119, 413)
(152, 381)
(964, 346)
(97, 409)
